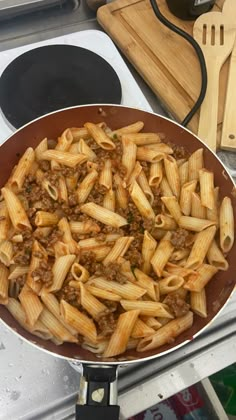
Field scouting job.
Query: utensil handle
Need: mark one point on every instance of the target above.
(207, 129)
(228, 139)
(98, 393)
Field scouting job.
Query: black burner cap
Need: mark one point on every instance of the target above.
(53, 77)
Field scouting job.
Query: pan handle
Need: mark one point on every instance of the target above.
(98, 393)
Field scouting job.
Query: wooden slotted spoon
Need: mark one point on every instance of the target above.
(228, 139)
(215, 35)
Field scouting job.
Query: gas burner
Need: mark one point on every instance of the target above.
(52, 77)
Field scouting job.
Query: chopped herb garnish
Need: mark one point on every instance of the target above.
(28, 251)
(133, 268)
(28, 188)
(115, 136)
(141, 230)
(130, 218)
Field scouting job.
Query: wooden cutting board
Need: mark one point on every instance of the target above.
(165, 60)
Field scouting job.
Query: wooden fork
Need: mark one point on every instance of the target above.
(215, 35)
(228, 139)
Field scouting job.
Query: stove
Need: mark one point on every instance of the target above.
(92, 41)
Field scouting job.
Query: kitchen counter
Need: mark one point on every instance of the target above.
(141, 385)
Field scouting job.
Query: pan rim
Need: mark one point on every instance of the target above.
(77, 361)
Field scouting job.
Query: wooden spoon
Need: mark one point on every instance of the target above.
(228, 139)
(215, 35)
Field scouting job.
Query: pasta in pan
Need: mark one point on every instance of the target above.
(109, 240)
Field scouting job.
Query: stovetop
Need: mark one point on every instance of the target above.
(95, 41)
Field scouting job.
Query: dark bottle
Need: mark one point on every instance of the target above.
(190, 9)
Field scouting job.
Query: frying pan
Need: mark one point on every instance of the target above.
(98, 384)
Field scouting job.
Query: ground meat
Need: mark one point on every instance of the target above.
(180, 238)
(97, 194)
(112, 273)
(148, 224)
(177, 305)
(179, 152)
(43, 273)
(21, 280)
(54, 236)
(70, 294)
(157, 203)
(44, 165)
(22, 259)
(106, 323)
(72, 200)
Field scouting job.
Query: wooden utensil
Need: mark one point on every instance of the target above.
(228, 138)
(215, 34)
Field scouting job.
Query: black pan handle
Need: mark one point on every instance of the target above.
(98, 393)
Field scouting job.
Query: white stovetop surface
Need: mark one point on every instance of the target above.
(92, 40)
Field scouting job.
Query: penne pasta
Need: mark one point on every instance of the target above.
(64, 158)
(206, 179)
(15, 210)
(6, 252)
(141, 329)
(165, 188)
(173, 207)
(126, 291)
(212, 214)
(148, 248)
(86, 186)
(121, 192)
(132, 128)
(51, 303)
(160, 147)
(16, 180)
(91, 243)
(79, 272)
(152, 322)
(64, 227)
(141, 201)
(103, 215)
(4, 222)
(194, 224)
(141, 139)
(200, 247)
(109, 201)
(143, 183)
(198, 303)
(79, 321)
(146, 282)
(183, 173)
(148, 308)
(44, 218)
(166, 333)
(81, 228)
(172, 174)
(195, 164)
(170, 284)
(38, 257)
(226, 225)
(56, 327)
(156, 174)
(197, 209)
(162, 254)
(62, 190)
(64, 141)
(106, 175)
(103, 294)
(31, 305)
(99, 135)
(17, 271)
(135, 173)
(185, 201)
(60, 269)
(128, 156)
(42, 147)
(120, 337)
(4, 284)
(165, 222)
(86, 150)
(149, 155)
(119, 249)
(92, 305)
(216, 258)
(204, 274)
